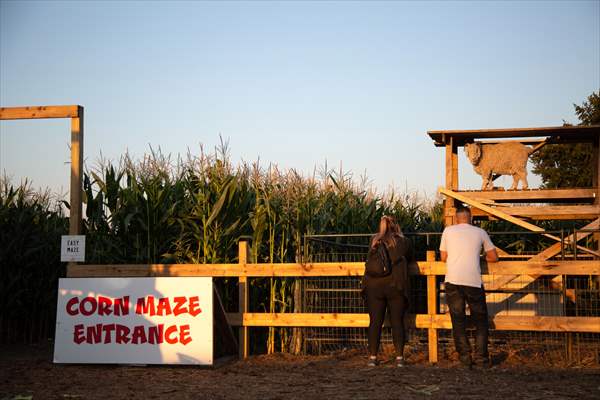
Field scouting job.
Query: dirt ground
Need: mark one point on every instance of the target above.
(28, 373)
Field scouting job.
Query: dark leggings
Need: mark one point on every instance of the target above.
(381, 295)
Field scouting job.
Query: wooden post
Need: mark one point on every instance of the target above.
(454, 164)
(432, 311)
(596, 168)
(76, 173)
(596, 181)
(243, 341)
(451, 179)
(296, 342)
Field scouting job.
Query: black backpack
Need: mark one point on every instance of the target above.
(378, 262)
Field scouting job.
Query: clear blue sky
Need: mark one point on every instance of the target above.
(294, 83)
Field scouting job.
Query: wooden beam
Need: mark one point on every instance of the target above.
(525, 289)
(544, 255)
(449, 205)
(36, 112)
(526, 142)
(556, 248)
(490, 210)
(548, 324)
(535, 142)
(232, 270)
(440, 321)
(523, 267)
(538, 146)
(546, 212)
(449, 184)
(332, 320)
(441, 137)
(499, 282)
(454, 166)
(596, 168)
(243, 300)
(432, 294)
(596, 181)
(503, 215)
(576, 195)
(75, 213)
(539, 268)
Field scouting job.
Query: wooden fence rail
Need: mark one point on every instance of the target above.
(430, 268)
(424, 321)
(323, 269)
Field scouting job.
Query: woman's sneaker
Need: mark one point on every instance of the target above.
(400, 363)
(372, 362)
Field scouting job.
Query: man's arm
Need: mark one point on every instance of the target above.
(443, 249)
(443, 255)
(491, 256)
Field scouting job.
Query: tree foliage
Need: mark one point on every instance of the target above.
(569, 165)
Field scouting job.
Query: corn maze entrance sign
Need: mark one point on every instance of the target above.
(135, 321)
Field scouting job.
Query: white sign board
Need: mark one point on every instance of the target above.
(72, 248)
(134, 321)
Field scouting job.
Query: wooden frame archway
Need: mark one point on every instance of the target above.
(75, 113)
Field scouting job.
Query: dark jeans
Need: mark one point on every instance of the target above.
(456, 297)
(380, 296)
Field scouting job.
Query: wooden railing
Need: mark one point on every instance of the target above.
(432, 321)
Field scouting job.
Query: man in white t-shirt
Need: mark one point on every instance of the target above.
(461, 248)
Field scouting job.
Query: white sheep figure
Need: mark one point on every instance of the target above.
(505, 158)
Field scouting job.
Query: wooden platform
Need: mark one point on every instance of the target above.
(574, 212)
(577, 195)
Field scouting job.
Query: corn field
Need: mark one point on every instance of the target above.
(195, 209)
(31, 225)
(192, 209)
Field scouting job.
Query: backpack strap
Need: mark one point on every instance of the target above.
(388, 260)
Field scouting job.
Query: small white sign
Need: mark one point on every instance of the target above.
(72, 248)
(134, 321)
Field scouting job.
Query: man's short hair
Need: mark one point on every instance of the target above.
(463, 210)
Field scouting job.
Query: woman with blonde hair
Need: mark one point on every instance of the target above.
(385, 286)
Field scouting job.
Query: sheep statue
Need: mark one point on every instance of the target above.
(506, 158)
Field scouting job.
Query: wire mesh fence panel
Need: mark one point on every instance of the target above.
(343, 295)
(514, 295)
(552, 296)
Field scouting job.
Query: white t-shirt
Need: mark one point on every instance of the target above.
(463, 244)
